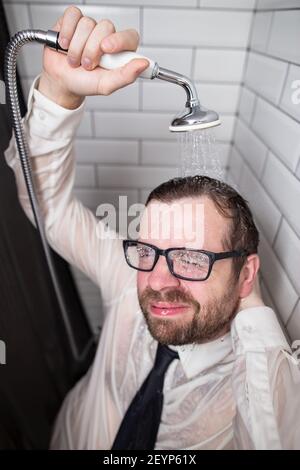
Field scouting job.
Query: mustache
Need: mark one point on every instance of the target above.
(171, 296)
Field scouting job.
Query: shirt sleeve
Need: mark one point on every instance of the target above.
(266, 383)
(72, 230)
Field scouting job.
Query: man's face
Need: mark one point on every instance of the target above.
(179, 311)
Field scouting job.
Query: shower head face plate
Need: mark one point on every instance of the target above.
(196, 118)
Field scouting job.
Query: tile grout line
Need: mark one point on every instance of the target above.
(263, 98)
(277, 232)
(269, 32)
(292, 312)
(133, 6)
(241, 85)
(274, 57)
(280, 98)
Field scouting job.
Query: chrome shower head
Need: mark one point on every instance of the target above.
(195, 116)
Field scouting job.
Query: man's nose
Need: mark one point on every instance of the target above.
(161, 277)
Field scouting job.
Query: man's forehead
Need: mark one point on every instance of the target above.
(190, 220)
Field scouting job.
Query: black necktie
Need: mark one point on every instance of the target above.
(139, 427)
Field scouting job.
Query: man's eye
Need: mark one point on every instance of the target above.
(192, 264)
(144, 253)
(188, 261)
(192, 260)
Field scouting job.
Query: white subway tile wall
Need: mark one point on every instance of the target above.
(260, 30)
(277, 4)
(266, 212)
(278, 282)
(291, 96)
(235, 4)
(45, 16)
(293, 324)
(265, 160)
(284, 188)
(178, 27)
(251, 147)
(85, 176)
(123, 146)
(246, 104)
(266, 76)
(219, 65)
(285, 35)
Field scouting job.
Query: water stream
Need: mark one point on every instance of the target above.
(199, 154)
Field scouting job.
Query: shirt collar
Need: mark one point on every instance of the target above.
(196, 358)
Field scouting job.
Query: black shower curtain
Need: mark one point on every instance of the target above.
(39, 368)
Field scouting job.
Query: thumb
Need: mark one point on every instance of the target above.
(135, 67)
(123, 76)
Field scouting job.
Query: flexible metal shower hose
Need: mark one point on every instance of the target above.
(10, 67)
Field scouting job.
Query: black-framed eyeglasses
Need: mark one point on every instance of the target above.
(184, 263)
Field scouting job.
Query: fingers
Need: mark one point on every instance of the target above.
(57, 26)
(83, 30)
(92, 50)
(87, 40)
(105, 39)
(127, 40)
(70, 19)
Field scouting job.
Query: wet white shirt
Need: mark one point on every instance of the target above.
(241, 391)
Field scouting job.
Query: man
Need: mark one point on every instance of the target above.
(232, 383)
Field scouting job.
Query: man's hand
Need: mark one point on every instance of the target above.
(254, 299)
(67, 79)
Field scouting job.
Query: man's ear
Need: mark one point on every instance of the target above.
(248, 275)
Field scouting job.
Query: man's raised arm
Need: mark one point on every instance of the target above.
(55, 109)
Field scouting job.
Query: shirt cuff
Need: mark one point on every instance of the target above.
(257, 329)
(48, 119)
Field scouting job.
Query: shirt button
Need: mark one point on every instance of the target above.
(42, 115)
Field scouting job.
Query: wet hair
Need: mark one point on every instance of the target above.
(242, 233)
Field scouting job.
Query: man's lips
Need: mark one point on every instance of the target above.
(167, 309)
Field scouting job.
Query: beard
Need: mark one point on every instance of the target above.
(208, 321)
